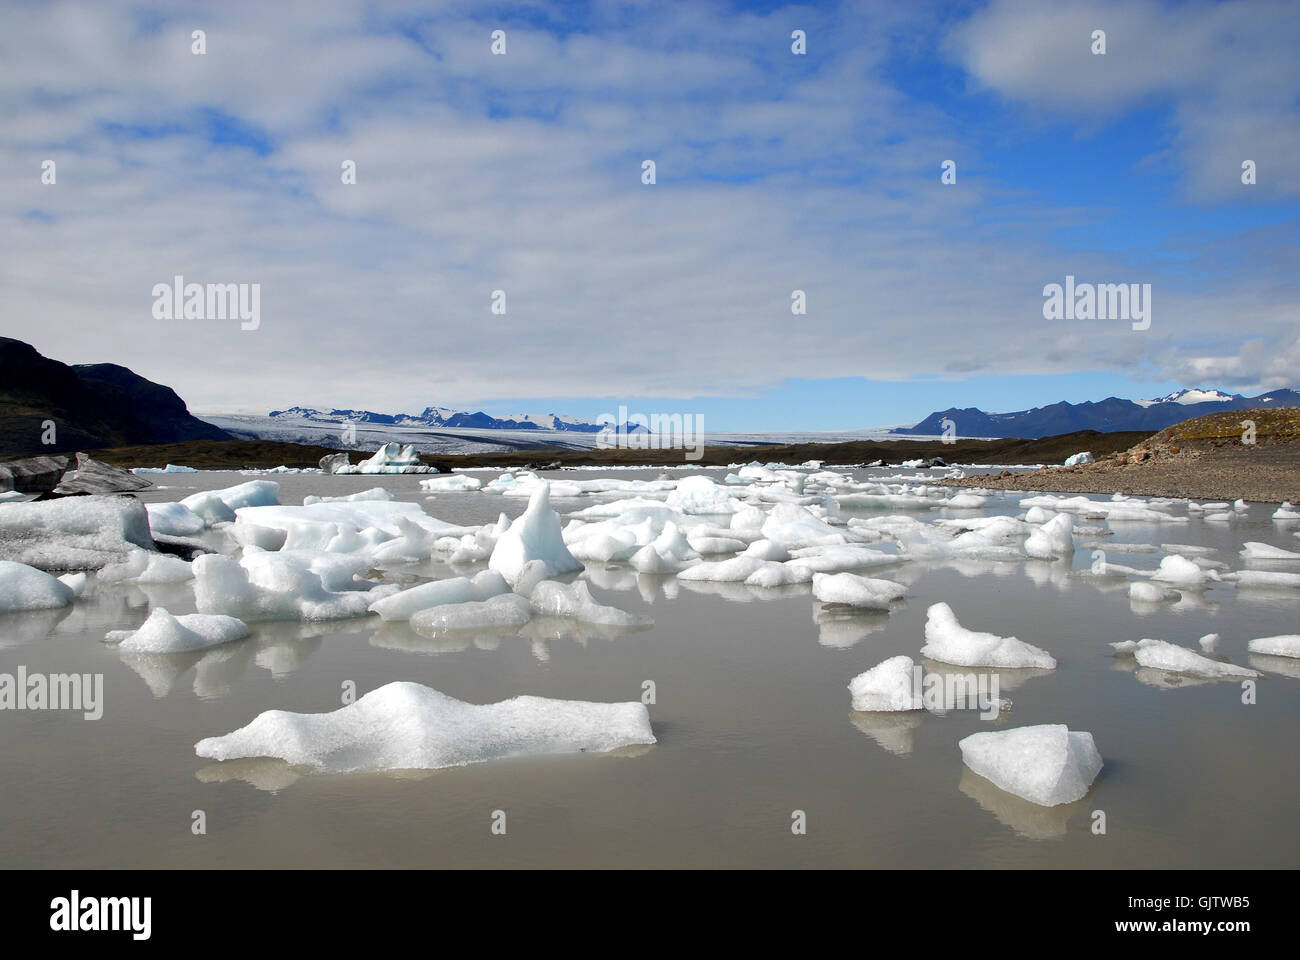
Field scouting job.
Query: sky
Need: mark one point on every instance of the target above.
(775, 172)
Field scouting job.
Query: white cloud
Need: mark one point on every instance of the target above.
(523, 173)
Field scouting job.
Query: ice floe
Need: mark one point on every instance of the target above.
(73, 533)
(164, 633)
(856, 591)
(887, 687)
(406, 726)
(23, 587)
(1047, 764)
(949, 641)
(1286, 645)
(536, 535)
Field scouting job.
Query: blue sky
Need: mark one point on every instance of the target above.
(775, 172)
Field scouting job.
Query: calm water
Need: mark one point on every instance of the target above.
(752, 716)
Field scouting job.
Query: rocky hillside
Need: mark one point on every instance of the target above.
(94, 405)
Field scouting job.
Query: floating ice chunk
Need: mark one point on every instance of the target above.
(170, 468)
(722, 571)
(505, 610)
(700, 495)
(949, 641)
(141, 566)
(574, 601)
(966, 501)
(1079, 459)
(374, 493)
(1188, 549)
(1264, 551)
(715, 545)
(404, 605)
(774, 574)
(391, 457)
(1124, 647)
(648, 559)
(1221, 517)
(1162, 655)
(1209, 643)
(1286, 645)
(1286, 512)
(1039, 515)
(1112, 510)
(1239, 506)
(536, 535)
(453, 481)
(25, 588)
(1182, 572)
(164, 633)
(887, 686)
(847, 588)
(269, 586)
(1151, 593)
(209, 507)
(1264, 579)
(767, 550)
(73, 533)
(533, 573)
(254, 493)
(409, 726)
(76, 582)
(1053, 539)
(1047, 764)
(173, 520)
(796, 526)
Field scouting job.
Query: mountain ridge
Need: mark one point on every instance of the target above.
(1107, 416)
(446, 417)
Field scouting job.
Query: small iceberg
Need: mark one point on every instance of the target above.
(407, 726)
(1047, 764)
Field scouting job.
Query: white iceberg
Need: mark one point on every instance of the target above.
(1286, 645)
(173, 520)
(164, 633)
(1079, 459)
(406, 726)
(504, 610)
(1047, 764)
(25, 588)
(405, 604)
(1163, 655)
(1053, 539)
(574, 601)
(536, 535)
(73, 533)
(949, 641)
(888, 686)
(1264, 551)
(856, 591)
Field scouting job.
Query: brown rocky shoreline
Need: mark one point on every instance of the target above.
(1209, 458)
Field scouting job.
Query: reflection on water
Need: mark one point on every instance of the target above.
(751, 701)
(1027, 819)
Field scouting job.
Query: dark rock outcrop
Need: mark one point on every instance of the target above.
(91, 476)
(51, 407)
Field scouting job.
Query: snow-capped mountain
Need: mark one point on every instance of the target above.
(446, 417)
(1190, 395)
(1107, 415)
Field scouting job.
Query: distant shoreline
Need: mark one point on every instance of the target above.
(264, 454)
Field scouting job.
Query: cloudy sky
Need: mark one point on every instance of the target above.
(775, 172)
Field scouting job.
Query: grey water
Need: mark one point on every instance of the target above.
(752, 717)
